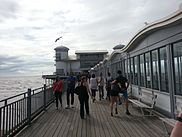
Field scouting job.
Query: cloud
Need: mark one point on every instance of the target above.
(15, 65)
(29, 28)
(8, 9)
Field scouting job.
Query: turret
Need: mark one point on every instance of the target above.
(61, 60)
(61, 53)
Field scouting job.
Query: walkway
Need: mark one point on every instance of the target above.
(67, 123)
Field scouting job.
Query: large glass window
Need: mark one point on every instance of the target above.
(177, 59)
(123, 68)
(128, 69)
(148, 70)
(132, 70)
(136, 70)
(142, 72)
(126, 66)
(163, 69)
(155, 70)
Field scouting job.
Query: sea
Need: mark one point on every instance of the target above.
(13, 85)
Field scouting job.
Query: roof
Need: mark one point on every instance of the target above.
(91, 51)
(62, 48)
(118, 47)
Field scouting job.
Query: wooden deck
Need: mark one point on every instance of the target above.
(67, 123)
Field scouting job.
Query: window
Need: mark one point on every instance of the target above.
(132, 71)
(128, 70)
(136, 70)
(163, 69)
(177, 61)
(142, 72)
(155, 70)
(58, 56)
(123, 68)
(60, 71)
(148, 70)
(126, 66)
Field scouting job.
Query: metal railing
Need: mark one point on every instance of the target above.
(17, 111)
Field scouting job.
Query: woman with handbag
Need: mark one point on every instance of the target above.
(83, 97)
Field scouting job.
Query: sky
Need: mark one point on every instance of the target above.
(29, 28)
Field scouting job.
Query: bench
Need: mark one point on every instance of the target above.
(171, 121)
(167, 121)
(146, 101)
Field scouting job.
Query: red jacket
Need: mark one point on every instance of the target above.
(58, 86)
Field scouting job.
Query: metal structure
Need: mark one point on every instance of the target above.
(17, 111)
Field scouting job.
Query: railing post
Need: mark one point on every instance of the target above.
(29, 106)
(45, 104)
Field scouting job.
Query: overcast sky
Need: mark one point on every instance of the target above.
(28, 28)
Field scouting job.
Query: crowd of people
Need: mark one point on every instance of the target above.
(85, 85)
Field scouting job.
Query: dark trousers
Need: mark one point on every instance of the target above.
(84, 103)
(68, 98)
(108, 89)
(101, 92)
(58, 95)
(93, 92)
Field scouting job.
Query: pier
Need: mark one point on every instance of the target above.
(67, 122)
(151, 62)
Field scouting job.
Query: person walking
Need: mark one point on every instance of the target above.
(57, 89)
(93, 86)
(108, 85)
(78, 78)
(124, 84)
(71, 80)
(114, 97)
(101, 86)
(83, 97)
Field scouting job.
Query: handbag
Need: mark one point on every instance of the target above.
(77, 90)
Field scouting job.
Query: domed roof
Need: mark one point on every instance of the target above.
(118, 47)
(62, 48)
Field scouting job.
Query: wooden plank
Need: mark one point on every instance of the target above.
(34, 125)
(75, 121)
(88, 121)
(60, 119)
(96, 118)
(112, 123)
(53, 124)
(75, 116)
(92, 119)
(104, 111)
(67, 122)
(100, 120)
(60, 124)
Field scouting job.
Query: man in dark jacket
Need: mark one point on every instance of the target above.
(71, 80)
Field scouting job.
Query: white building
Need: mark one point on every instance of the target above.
(82, 61)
